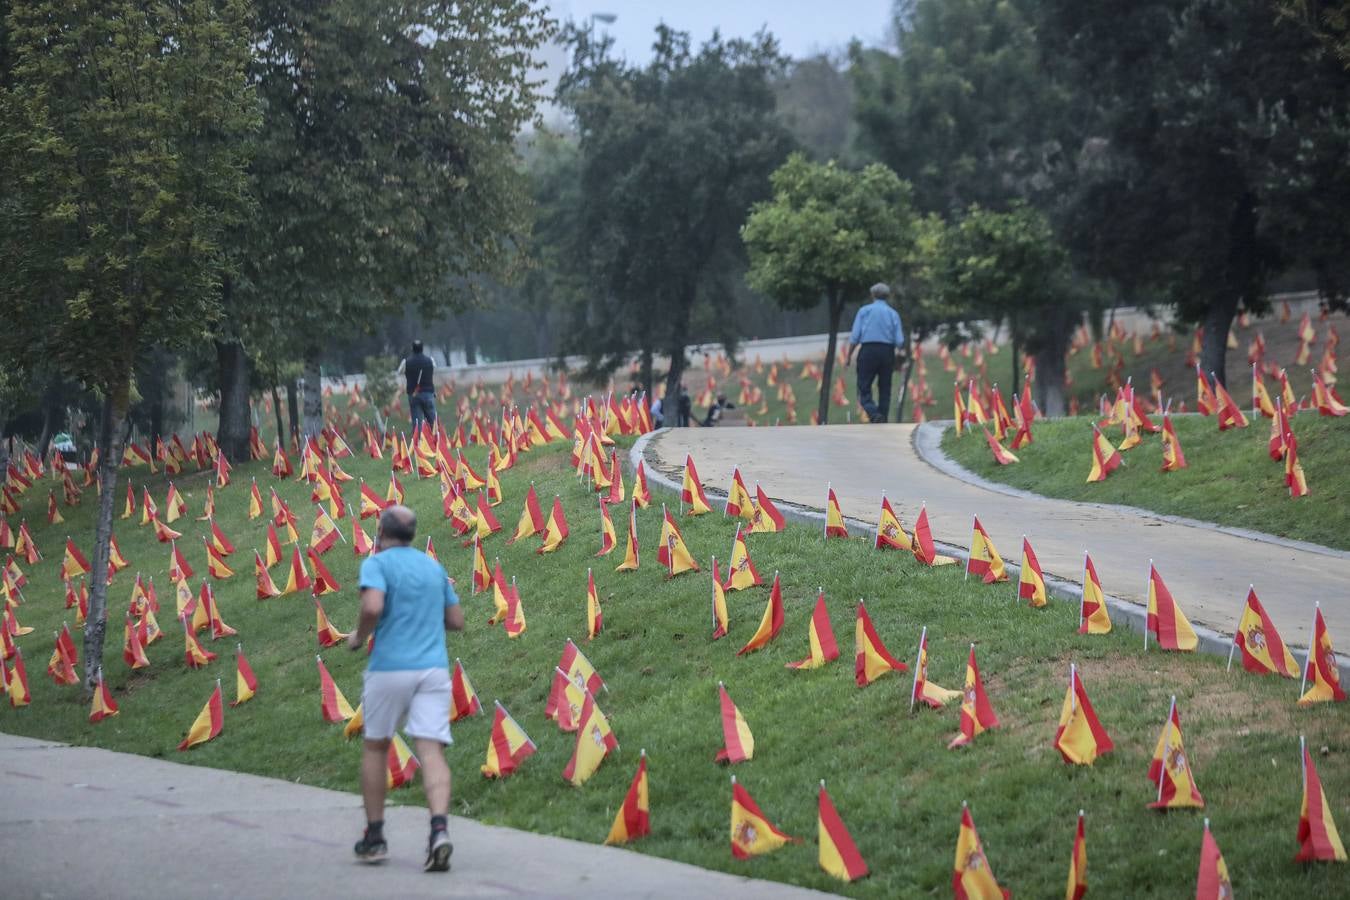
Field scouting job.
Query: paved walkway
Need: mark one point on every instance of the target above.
(1207, 570)
(81, 822)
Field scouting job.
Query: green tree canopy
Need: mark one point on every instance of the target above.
(829, 233)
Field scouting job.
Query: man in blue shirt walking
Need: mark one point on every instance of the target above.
(408, 604)
(877, 338)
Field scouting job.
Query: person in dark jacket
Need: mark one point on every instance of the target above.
(418, 370)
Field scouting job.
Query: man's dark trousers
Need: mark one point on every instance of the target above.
(876, 362)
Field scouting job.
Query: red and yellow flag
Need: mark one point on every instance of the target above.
(1170, 768)
(400, 764)
(333, 704)
(770, 623)
(871, 659)
(1212, 882)
(752, 834)
(327, 634)
(1263, 650)
(766, 518)
(838, 855)
(821, 637)
(719, 604)
(1093, 616)
(925, 550)
(594, 742)
(1172, 457)
(972, 876)
(215, 565)
(609, 539)
(266, 587)
(1030, 579)
(738, 744)
(741, 573)
(555, 529)
(691, 491)
(923, 690)
(297, 578)
(1318, 839)
(1230, 414)
(255, 504)
(1166, 621)
(834, 516)
(642, 495)
(1294, 479)
(245, 682)
(1080, 737)
(324, 534)
(324, 582)
(463, 698)
(595, 620)
(208, 723)
(633, 819)
(984, 559)
(1002, 456)
(977, 713)
(630, 553)
(74, 564)
(133, 650)
(1205, 402)
(1321, 675)
(890, 533)
(1327, 401)
(672, 552)
(103, 706)
(1077, 886)
(1105, 458)
(194, 654)
(739, 502)
(508, 746)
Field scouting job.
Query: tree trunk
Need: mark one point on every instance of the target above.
(835, 311)
(470, 340)
(1214, 348)
(4, 445)
(276, 409)
(904, 386)
(293, 407)
(232, 434)
(1014, 343)
(646, 374)
(1052, 345)
(53, 414)
(313, 400)
(110, 443)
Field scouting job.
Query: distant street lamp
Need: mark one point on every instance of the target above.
(604, 17)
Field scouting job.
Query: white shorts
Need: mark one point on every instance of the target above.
(418, 697)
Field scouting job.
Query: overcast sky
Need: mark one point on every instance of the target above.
(802, 27)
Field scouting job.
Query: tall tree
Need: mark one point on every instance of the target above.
(828, 233)
(121, 163)
(385, 166)
(672, 156)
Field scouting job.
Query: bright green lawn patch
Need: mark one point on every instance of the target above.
(896, 786)
(1230, 478)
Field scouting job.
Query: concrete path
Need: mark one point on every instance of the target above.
(1207, 570)
(81, 822)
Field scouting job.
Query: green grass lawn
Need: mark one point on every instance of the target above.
(894, 782)
(1230, 478)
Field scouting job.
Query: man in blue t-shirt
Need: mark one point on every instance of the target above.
(408, 603)
(877, 338)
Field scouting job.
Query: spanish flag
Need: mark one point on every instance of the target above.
(1170, 768)
(890, 533)
(163, 533)
(741, 573)
(1080, 737)
(739, 502)
(499, 592)
(463, 698)
(630, 552)
(103, 706)
(361, 542)
(834, 517)
(1093, 616)
(1260, 396)
(1212, 882)
(672, 552)
(984, 559)
(595, 620)
(1326, 399)
(1002, 456)
(485, 523)
(752, 833)
(266, 587)
(923, 690)
(54, 516)
(1230, 414)
(508, 746)
(174, 507)
(609, 539)
(594, 742)
(925, 551)
(642, 495)
(1318, 839)
(977, 713)
(324, 534)
(958, 409)
(298, 578)
(514, 621)
(327, 634)
(16, 681)
(1105, 458)
(770, 623)
(129, 509)
(1279, 426)
(149, 511)
(194, 654)
(555, 529)
(208, 723)
(691, 492)
(178, 566)
(821, 637)
(633, 819)
(133, 651)
(972, 876)
(245, 682)
(566, 698)
(871, 659)
(116, 561)
(738, 744)
(74, 564)
(255, 506)
(215, 565)
(579, 671)
(766, 518)
(1030, 579)
(1169, 625)
(1294, 479)
(324, 582)
(1205, 402)
(839, 856)
(1077, 886)
(400, 764)
(719, 604)
(333, 704)
(1172, 457)
(272, 546)
(1263, 650)
(616, 491)
(1321, 675)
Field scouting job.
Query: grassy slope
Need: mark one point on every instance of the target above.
(893, 781)
(1230, 479)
